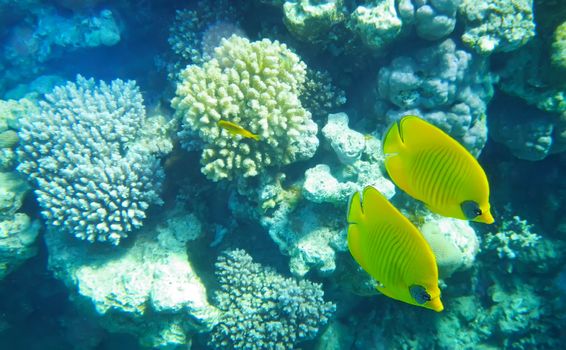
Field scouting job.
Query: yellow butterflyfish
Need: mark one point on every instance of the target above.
(236, 129)
(434, 168)
(392, 250)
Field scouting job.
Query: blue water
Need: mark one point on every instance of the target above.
(127, 221)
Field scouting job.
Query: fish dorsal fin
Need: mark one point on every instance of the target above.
(355, 219)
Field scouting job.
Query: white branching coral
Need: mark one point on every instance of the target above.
(93, 163)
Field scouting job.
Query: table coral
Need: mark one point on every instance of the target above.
(262, 309)
(254, 85)
(94, 168)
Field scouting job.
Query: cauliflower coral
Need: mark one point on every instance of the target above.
(255, 86)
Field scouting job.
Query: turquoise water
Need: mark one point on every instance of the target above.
(177, 175)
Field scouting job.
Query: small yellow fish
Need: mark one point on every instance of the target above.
(235, 129)
(434, 168)
(392, 250)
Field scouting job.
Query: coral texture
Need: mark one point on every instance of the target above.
(254, 85)
(497, 25)
(443, 84)
(454, 243)
(264, 310)
(94, 168)
(196, 32)
(18, 232)
(149, 289)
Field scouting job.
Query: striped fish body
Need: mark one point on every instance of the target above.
(434, 168)
(391, 249)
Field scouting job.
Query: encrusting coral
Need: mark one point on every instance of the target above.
(262, 309)
(442, 84)
(254, 86)
(92, 158)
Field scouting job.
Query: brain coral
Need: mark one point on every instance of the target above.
(263, 310)
(256, 86)
(90, 159)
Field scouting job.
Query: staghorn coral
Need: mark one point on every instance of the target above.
(262, 309)
(93, 165)
(254, 85)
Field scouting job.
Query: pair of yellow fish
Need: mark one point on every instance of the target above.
(434, 168)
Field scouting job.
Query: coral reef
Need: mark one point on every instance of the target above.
(149, 289)
(497, 25)
(196, 32)
(311, 20)
(445, 85)
(454, 243)
(526, 131)
(32, 43)
(432, 19)
(376, 23)
(262, 309)
(18, 232)
(558, 48)
(527, 75)
(254, 85)
(91, 154)
(319, 96)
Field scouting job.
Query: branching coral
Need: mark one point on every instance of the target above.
(264, 310)
(93, 166)
(254, 85)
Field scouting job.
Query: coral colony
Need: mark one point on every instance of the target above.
(177, 176)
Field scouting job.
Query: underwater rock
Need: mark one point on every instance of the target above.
(526, 131)
(149, 289)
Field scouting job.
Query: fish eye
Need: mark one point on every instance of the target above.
(471, 209)
(419, 293)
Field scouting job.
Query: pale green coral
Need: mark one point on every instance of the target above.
(256, 86)
(558, 49)
(497, 25)
(377, 25)
(311, 20)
